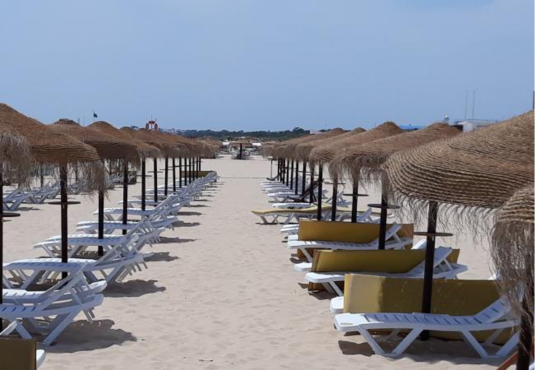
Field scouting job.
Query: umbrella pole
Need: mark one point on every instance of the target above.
(303, 179)
(311, 184)
(292, 175)
(64, 215)
(143, 184)
(354, 204)
(125, 194)
(429, 261)
(526, 336)
(101, 220)
(180, 172)
(383, 218)
(166, 175)
(320, 191)
(1, 247)
(296, 177)
(335, 199)
(155, 161)
(42, 176)
(174, 175)
(287, 172)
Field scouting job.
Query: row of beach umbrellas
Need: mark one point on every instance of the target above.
(481, 177)
(70, 148)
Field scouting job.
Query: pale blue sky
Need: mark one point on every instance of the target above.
(266, 64)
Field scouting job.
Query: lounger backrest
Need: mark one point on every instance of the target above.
(422, 244)
(365, 215)
(392, 230)
(492, 313)
(441, 254)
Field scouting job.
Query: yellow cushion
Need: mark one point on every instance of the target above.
(391, 261)
(17, 354)
(371, 294)
(345, 231)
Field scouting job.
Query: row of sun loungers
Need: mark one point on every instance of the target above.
(43, 296)
(337, 257)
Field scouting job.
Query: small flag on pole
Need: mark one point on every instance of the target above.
(94, 115)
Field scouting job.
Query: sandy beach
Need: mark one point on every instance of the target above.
(220, 293)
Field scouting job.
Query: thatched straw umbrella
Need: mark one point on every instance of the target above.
(15, 163)
(334, 154)
(145, 150)
(473, 173)
(304, 151)
(49, 146)
(166, 147)
(512, 254)
(110, 148)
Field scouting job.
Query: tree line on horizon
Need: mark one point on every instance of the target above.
(262, 135)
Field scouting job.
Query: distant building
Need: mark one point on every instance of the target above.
(410, 127)
(473, 124)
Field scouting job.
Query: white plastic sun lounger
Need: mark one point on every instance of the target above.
(393, 241)
(40, 354)
(442, 269)
(492, 318)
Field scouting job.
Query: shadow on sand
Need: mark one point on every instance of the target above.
(186, 224)
(166, 240)
(84, 336)
(161, 257)
(133, 289)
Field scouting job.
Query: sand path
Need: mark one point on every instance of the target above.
(220, 293)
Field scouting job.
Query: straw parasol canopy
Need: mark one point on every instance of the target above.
(145, 150)
(14, 155)
(107, 146)
(287, 149)
(369, 157)
(305, 150)
(479, 169)
(512, 248)
(343, 159)
(166, 147)
(50, 146)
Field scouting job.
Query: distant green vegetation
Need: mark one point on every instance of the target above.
(261, 135)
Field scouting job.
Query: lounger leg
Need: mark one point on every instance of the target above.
(509, 346)
(405, 343)
(469, 338)
(372, 342)
(59, 324)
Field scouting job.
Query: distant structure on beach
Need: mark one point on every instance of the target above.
(474, 124)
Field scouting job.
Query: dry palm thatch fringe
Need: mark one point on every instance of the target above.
(287, 149)
(304, 151)
(470, 175)
(512, 249)
(342, 161)
(49, 146)
(168, 149)
(144, 150)
(369, 157)
(14, 156)
(107, 146)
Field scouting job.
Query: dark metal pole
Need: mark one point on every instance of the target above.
(320, 191)
(296, 177)
(429, 261)
(64, 215)
(174, 175)
(383, 218)
(125, 194)
(287, 172)
(311, 184)
(526, 335)
(354, 204)
(100, 220)
(335, 199)
(166, 175)
(180, 172)
(1, 246)
(155, 163)
(143, 184)
(304, 177)
(292, 175)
